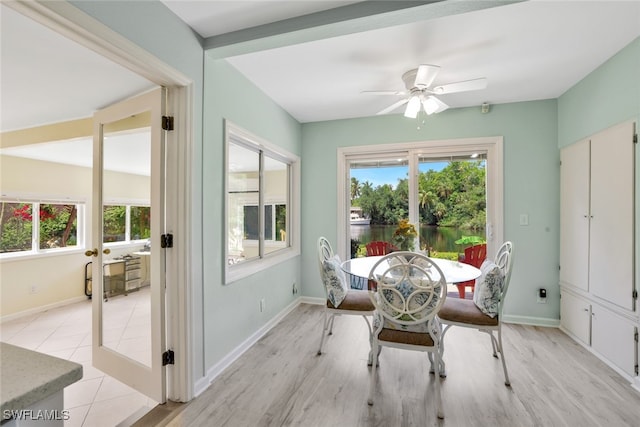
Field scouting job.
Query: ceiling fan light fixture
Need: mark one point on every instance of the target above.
(413, 106)
(433, 105)
(430, 105)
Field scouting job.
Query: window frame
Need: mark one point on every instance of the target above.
(492, 147)
(234, 134)
(35, 203)
(128, 204)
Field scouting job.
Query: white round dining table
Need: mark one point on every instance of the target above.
(454, 271)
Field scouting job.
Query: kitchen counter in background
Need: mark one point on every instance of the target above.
(33, 382)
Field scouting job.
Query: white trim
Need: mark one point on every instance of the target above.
(313, 300)
(66, 19)
(493, 146)
(42, 309)
(217, 369)
(532, 321)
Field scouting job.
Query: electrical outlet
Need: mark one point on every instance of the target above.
(542, 296)
(524, 219)
(295, 288)
(33, 289)
(262, 305)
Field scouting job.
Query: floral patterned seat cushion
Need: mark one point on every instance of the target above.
(335, 281)
(488, 288)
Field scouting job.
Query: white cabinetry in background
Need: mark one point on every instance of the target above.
(598, 306)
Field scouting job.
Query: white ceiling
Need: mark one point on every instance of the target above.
(527, 51)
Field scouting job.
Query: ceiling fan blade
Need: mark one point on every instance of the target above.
(426, 74)
(433, 105)
(392, 107)
(384, 92)
(464, 86)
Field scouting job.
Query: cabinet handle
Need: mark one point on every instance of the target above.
(585, 309)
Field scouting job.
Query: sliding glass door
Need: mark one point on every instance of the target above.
(450, 191)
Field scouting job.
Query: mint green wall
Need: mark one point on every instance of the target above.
(607, 96)
(232, 311)
(531, 177)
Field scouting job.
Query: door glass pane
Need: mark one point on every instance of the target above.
(242, 204)
(379, 197)
(126, 175)
(451, 203)
(276, 194)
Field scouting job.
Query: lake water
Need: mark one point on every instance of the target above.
(441, 239)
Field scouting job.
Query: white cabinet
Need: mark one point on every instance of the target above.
(576, 317)
(574, 215)
(613, 337)
(596, 215)
(598, 307)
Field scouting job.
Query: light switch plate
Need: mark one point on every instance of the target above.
(524, 219)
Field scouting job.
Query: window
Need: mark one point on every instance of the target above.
(480, 208)
(28, 227)
(261, 203)
(124, 223)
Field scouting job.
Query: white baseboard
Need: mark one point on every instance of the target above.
(41, 309)
(532, 321)
(212, 373)
(312, 300)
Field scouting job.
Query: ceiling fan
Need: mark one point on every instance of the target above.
(420, 94)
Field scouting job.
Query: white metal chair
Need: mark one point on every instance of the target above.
(484, 313)
(410, 291)
(341, 300)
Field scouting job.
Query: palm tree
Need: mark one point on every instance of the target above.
(355, 188)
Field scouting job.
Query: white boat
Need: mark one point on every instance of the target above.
(357, 218)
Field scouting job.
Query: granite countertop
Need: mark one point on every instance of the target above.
(27, 377)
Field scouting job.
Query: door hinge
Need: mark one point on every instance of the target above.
(636, 369)
(168, 358)
(634, 294)
(166, 241)
(167, 122)
(635, 336)
(635, 138)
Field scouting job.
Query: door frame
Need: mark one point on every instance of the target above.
(493, 146)
(76, 25)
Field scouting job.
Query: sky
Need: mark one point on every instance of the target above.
(391, 175)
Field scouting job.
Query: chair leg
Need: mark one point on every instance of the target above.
(443, 370)
(333, 317)
(370, 357)
(374, 364)
(325, 323)
(439, 409)
(507, 382)
(461, 291)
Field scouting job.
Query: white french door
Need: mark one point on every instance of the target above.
(128, 315)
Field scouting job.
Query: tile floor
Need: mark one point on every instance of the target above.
(97, 399)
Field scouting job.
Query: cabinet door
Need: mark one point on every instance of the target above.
(575, 316)
(574, 215)
(613, 337)
(612, 203)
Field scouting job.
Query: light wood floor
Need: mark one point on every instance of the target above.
(281, 381)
